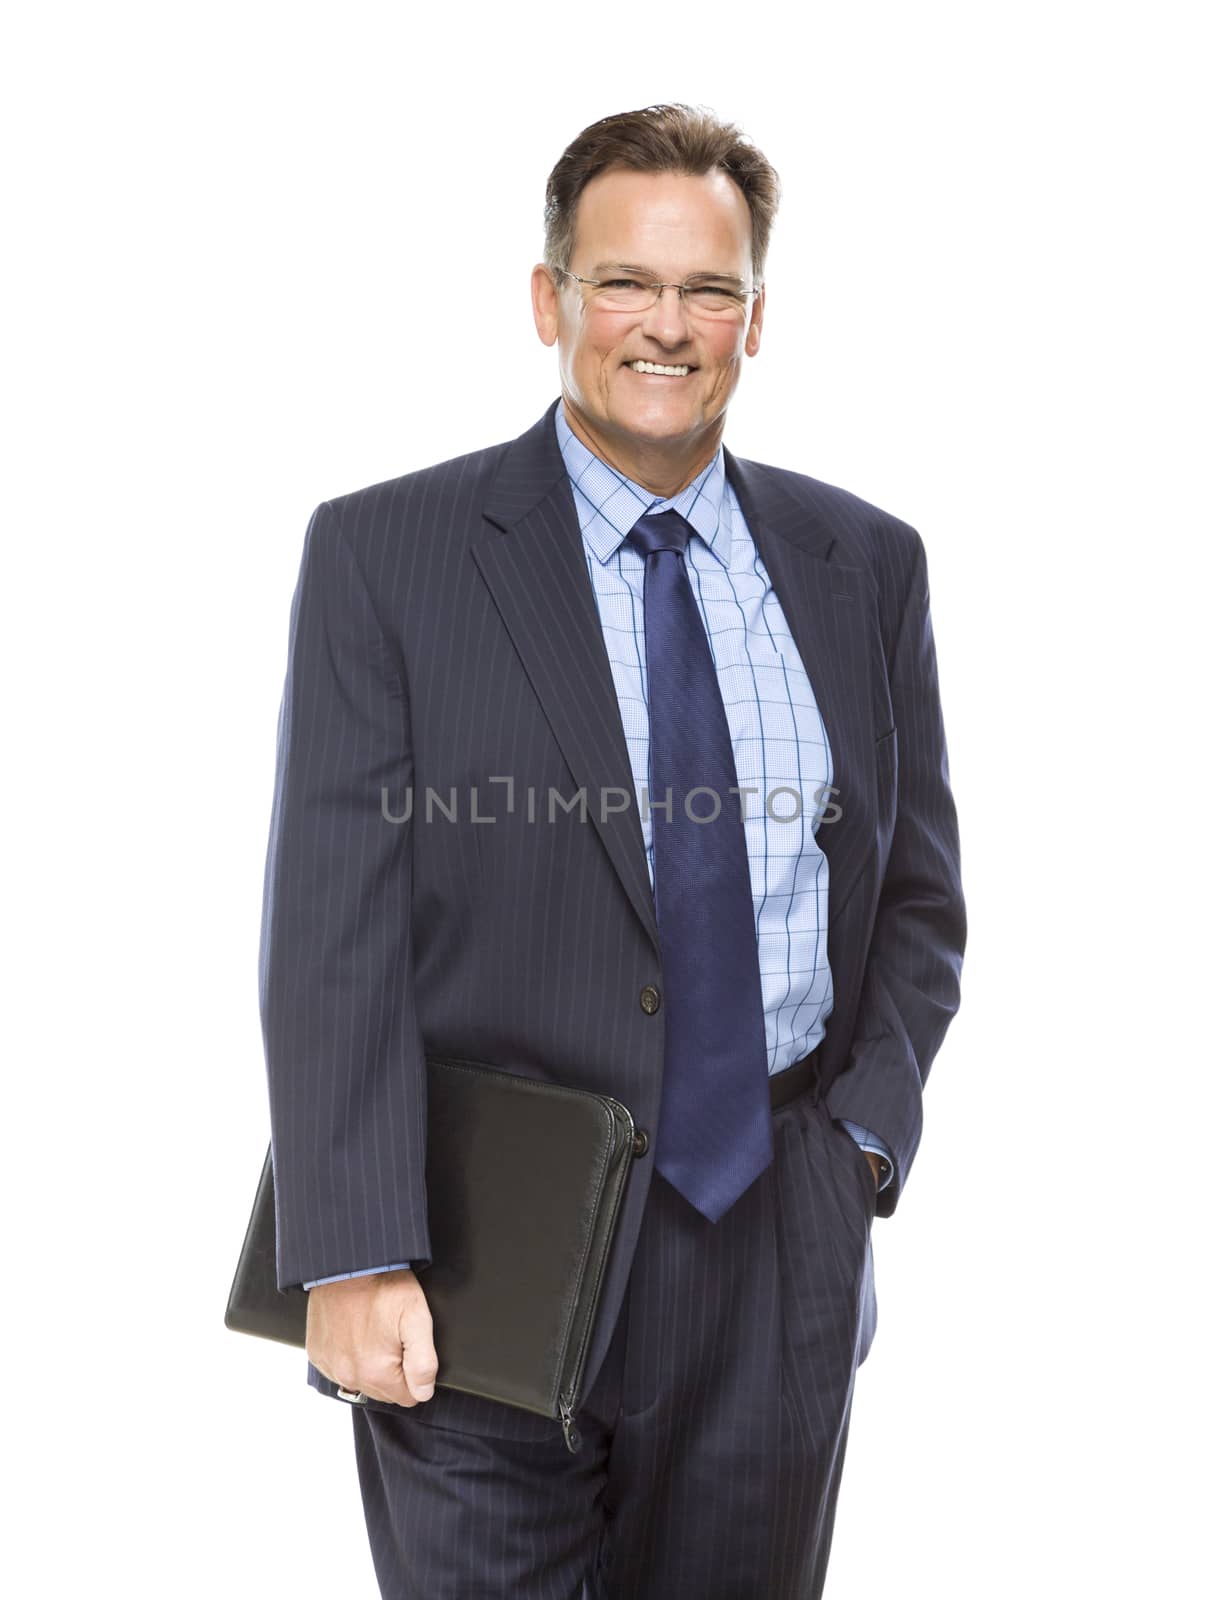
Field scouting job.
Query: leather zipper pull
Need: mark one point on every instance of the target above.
(569, 1427)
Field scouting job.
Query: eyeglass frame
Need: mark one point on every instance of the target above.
(599, 283)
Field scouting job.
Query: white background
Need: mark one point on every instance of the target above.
(262, 255)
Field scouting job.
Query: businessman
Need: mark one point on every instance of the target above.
(750, 930)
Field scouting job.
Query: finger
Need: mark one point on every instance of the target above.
(420, 1365)
(378, 1376)
(394, 1394)
(419, 1361)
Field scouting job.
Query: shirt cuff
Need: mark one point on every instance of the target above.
(363, 1272)
(868, 1140)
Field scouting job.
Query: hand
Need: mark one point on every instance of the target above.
(374, 1335)
(875, 1162)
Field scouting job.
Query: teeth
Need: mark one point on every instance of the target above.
(666, 372)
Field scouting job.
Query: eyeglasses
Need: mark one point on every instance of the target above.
(626, 293)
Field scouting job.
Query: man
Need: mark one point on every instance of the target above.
(613, 604)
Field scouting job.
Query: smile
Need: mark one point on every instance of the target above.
(658, 372)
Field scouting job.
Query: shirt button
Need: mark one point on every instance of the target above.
(650, 999)
(641, 1142)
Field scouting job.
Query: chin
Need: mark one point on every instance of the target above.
(657, 423)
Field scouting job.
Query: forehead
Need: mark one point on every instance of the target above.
(669, 221)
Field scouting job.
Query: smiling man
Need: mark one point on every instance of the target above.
(759, 957)
(646, 377)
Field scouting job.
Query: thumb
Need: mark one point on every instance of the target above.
(419, 1361)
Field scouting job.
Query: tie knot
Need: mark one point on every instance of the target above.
(660, 530)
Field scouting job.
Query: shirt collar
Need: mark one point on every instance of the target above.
(609, 503)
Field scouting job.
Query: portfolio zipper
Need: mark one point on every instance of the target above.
(567, 1403)
(569, 1427)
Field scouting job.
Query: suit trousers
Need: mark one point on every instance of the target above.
(713, 1437)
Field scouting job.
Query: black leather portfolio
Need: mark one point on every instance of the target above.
(524, 1181)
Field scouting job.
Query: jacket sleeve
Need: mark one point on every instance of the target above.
(911, 985)
(344, 1055)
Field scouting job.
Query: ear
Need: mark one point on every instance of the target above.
(757, 322)
(544, 304)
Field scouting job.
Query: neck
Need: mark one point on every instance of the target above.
(663, 468)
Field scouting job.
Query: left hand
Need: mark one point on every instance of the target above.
(875, 1163)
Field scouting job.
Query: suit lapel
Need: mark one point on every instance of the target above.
(821, 598)
(534, 563)
(535, 567)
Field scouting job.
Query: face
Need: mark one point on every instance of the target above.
(672, 226)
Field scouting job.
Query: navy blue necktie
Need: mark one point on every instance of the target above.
(715, 1122)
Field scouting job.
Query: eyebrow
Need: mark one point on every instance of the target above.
(648, 272)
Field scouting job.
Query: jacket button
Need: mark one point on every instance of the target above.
(641, 1142)
(650, 999)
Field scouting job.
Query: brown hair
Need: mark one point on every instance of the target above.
(661, 138)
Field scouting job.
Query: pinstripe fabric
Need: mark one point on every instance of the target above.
(781, 751)
(713, 1440)
(445, 639)
(780, 744)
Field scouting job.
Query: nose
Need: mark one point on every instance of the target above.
(667, 319)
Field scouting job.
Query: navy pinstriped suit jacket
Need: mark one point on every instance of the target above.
(443, 633)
